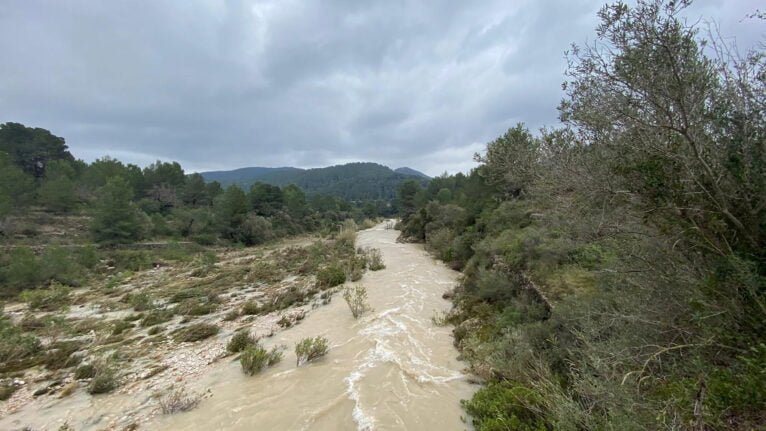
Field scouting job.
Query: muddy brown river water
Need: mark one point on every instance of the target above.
(392, 369)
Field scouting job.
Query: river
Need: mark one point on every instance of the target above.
(391, 369)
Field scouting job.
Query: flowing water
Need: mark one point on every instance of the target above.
(391, 369)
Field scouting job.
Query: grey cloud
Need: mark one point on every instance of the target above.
(301, 83)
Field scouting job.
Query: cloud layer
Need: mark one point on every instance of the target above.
(226, 84)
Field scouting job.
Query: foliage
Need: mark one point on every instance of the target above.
(240, 340)
(309, 349)
(195, 332)
(356, 298)
(104, 379)
(15, 345)
(375, 259)
(255, 358)
(116, 219)
(52, 298)
(330, 276)
(611, 274)
(178, 399)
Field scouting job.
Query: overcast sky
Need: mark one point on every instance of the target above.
(225, 84)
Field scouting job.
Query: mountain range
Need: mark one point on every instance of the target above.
(352, 181)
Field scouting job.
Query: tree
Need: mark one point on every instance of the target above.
(230, 212)
(408, 192)
(194, 191)
(16, 187)
(266, 199)
(295, 202)
(686, 133)
(57, 191)
(32, 148)
(116, 219)
(510, 163)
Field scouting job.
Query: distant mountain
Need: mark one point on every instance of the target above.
(352, 181)
(409, 171)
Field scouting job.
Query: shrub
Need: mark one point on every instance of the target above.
(104, 379)
(154, 330)
(255, 358)
(284, 322)
(7, 389)
(20, 270)
(356, 298)
(178, 399)
(121, 326)
(240, 340)
(501, 406)
(375, 260)
(250, 308)
(156, 317)
(58, 264)
(53, 298)
(195, 307)
(14, 344)
(140, 301)
(309, 349)
(60, 355)
(196, 332)
(330, 276)
(347, 235)
(85, 371)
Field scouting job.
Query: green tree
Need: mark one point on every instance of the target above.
(230, 212)
(58, 190)
(295, 202)
(116, 219)
(16, 187)
(194, 192)
(408, 194)
(266, 199)
(32, 148)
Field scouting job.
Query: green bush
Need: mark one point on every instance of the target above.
(375, 260)
(155, 317)
(255, 358)
(240, 340)
(502, 406)
(20, 270)
(104, 379)
(85, 371)
(59, 264)
(195, 307)
(330, 276)
(50, 299)
(356, 298)
(309, 349)
(60, 355)
(141, 301)
(195, 332)
(14, 344)
(121, 326)
(251, 308)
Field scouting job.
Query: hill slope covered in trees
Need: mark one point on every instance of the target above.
(352, 181)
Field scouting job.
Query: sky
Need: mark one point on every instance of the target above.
(226, 84)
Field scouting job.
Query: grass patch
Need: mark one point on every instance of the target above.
(195, 332)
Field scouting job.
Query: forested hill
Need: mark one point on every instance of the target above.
(352, 181)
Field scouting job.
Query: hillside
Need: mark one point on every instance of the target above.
(352, 181)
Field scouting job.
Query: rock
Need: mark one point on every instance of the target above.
(42, 391)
